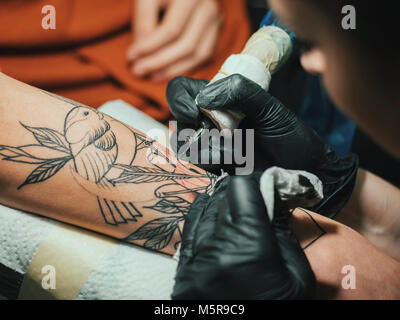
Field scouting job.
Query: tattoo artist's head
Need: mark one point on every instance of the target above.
(360, 68)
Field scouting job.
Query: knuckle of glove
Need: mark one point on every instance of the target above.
(174, 89)
(248, 96)
(184, 112)
(278, 120)
(181, 93)
(174, 84)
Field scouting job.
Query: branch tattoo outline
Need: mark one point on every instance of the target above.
(89, 144)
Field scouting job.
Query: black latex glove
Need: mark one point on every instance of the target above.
(230, 250)
(281, 138)
(181, 93)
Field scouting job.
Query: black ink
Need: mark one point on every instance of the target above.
(47, 138)
(317, 225)
(115, 212)
(172, 205)
(45, 171)
(157, 233)
(138, 174)
(90, 144)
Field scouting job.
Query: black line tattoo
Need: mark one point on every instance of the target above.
(89, 144)
(322, 230)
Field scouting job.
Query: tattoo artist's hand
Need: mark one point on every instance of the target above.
(182, 40)
(281, 138)
(230, 249)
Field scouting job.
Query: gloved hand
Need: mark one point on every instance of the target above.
(181, 93)
(281, 138)
(230, 249)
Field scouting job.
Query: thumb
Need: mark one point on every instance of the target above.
(145, 18)
(247, 214)
(274, 243)
(190, 228)
(234, 92)
(302, 284)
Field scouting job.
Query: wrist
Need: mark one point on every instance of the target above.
(339, 179)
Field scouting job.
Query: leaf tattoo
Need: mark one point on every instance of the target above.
(49, 138)
(157, 233)
(139, 174)
(172, 205)
(45, 171)
(17, 154)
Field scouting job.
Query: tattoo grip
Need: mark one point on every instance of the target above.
(264, 53)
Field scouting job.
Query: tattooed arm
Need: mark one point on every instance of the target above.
(72, 163)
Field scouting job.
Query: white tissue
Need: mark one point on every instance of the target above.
(290, 190)
(20, 236)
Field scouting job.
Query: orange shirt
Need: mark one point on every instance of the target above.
(84, 57)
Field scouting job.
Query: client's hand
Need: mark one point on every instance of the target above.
(182, 40)
(230, 249)
(281, 138)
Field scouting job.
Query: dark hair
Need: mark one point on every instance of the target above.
(377, 24)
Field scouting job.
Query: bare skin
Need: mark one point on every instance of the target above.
(184, 39)
(376, 274)
(377, 218)
(81, 196)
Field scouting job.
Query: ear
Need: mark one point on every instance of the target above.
(314, 61)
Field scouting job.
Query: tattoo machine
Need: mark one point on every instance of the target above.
(265, 52)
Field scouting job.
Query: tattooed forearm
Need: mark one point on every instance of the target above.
(114, 164)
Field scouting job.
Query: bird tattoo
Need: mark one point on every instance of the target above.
(90, 146)
(94, 150)
(91, 141)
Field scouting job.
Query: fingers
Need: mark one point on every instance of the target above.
(186, 49)
(181, 93)
(247, 216)
(233, 92)
(245, 223)
(180, 96)
(297, 264)
(202, 53)
(208, 222)
(245, 199)
(190, 228)
(275, 244)
(179, 11)
(145, 18)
